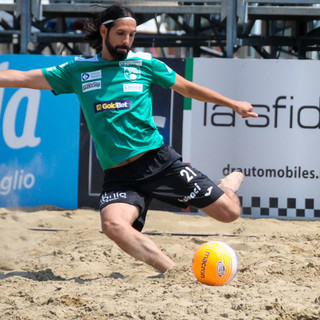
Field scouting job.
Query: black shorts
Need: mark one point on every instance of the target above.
(162, 175)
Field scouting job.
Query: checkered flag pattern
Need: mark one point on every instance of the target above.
(284, 208)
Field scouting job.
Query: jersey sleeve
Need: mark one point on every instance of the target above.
(60, 78)
(163, 75)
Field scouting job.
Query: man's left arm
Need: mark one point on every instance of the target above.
(195, 91)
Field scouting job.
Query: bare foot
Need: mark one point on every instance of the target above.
(232, 181)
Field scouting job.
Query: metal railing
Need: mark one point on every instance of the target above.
(234, 12)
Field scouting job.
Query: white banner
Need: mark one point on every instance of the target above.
(278, 152)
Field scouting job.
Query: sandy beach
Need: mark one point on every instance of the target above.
(56, 264)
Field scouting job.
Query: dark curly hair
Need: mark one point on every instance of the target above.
(92, 27)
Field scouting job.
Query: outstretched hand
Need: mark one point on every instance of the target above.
(245, 110)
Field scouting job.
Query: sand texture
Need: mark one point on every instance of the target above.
(56, 264)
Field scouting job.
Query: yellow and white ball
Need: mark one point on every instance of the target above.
(215, 263)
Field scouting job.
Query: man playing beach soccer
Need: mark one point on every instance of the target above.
(114, 88)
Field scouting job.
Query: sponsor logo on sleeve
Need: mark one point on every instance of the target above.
(51, 68)
(169, 69)
(112, 105)
(89, 86)
(63, 65)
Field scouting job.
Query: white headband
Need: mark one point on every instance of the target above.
(113, 20)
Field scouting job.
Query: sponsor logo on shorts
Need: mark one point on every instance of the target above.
(192, 194)
(88, 76)
(209, 190)
(89, 86)
(112, 105)
(132, 87)
(105, 198)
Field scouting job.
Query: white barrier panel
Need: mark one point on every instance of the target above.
(277, 152)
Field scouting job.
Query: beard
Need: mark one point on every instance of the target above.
(117, 52)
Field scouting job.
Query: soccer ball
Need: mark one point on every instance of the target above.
(215, 263)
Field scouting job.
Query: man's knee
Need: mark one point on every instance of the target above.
(224, 209)
(114, 229)
(108, 227)
(116, 220)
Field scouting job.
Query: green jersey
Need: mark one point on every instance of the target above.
(116, 99)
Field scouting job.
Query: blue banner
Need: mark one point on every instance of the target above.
(39, 141)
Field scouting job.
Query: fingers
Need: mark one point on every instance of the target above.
(250, 115)
(248, 111)
(245, 110)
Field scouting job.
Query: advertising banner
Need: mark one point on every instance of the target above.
(39, 141)
(277, 152)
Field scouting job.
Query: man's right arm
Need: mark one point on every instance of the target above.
(33, 79)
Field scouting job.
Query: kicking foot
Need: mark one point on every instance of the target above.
(232, 181)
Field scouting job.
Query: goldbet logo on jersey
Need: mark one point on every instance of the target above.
(112, 105)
